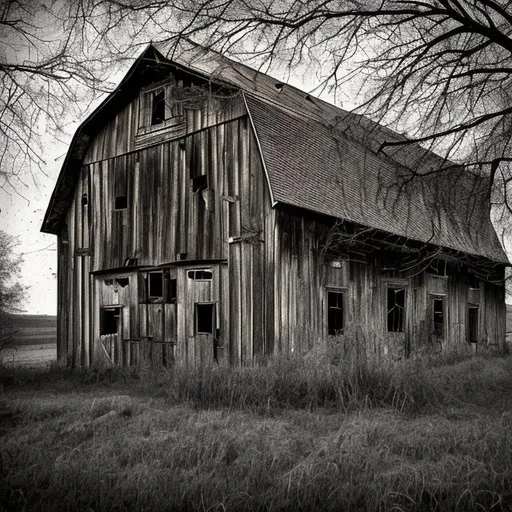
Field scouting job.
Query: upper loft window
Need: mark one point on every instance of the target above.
(157, 107)
(474, 282)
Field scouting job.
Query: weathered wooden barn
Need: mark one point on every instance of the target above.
(208, 212)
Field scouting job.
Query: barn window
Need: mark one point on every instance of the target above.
(335, 313)
(205, 318)
(121, 203)
(158, 107)
(199, 183)
(200, 275)
(173, 291)
(473, 324)
(438, 316)
(109, 320)
(474, 282)
(155, 285)
(395, 308)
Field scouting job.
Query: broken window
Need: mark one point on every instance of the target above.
(473, 324)
(173, 290)
(155, 285)
(335, 313)
(395, 308)
(121, 203)
(109, 320)
(200, 275)
(205, 318)
(199, 183)
(438, 316)
(158, 107)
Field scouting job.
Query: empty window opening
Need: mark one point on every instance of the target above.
(473, 324)
(158, 107)
(155, 285)
(85, 200)
(205, 318)
(109, 321)
(474, 282)
(335, 313)
(438, 316)
(123, 281)
(199, 183)
(396, 305)
(200, 275)
(173, 290)
(121, 203)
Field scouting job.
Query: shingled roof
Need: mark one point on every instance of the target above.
(324, 159)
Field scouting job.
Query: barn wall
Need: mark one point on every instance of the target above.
(301, 279)
(271, 287)
(166, 221)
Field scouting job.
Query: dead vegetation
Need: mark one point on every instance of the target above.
(426, 435)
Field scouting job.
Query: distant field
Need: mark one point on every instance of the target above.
(32, 329)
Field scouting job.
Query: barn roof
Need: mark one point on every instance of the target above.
(324, 159)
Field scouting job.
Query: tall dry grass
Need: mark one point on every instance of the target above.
(429, 434)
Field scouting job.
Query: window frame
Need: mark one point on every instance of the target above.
(119, 316)
(432, 298)
(190, 270)
(213, 304)
(343, 292)
(473, 307)
(395, 285)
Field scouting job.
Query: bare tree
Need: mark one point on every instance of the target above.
(53, 57)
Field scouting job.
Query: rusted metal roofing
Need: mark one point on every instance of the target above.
(326, 160)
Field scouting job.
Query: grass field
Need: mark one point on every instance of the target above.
(29, 329)
(420, 436)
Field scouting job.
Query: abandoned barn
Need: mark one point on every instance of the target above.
(208, 212)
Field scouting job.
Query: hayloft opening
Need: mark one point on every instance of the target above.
(396, 306)
(335, 313)
(109, 320)
(158, 107)
(205, 318)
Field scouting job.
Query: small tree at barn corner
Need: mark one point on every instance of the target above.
(12, 292)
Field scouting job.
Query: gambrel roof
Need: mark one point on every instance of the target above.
(326, 160)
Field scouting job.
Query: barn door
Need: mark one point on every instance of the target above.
(199, 315)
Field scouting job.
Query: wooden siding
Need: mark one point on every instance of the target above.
(270, 280)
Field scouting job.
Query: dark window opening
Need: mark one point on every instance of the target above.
(155, 285)
(335, 313)
(438, 316)
(205, 318)
(121, 203)
(473, 324)
(109, 322)
(396, 305)
(85, 200)
(474, 282)
(199, 183)
(158, 107)
(173, 290)
(123, 281)
(200, 275)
